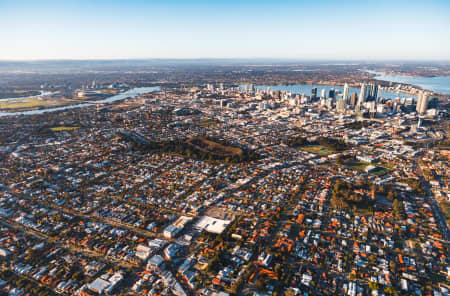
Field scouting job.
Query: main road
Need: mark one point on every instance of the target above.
(442, 222)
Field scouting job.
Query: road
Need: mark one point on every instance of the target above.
(442, 222)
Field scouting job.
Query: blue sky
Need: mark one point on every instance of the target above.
(341, 30)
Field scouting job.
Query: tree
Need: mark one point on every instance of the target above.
(390, 196)
(259, 284)
(398, 210)
(390, 290)
(373, 286)
(237, 286)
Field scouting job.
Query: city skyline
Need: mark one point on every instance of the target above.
(265, 29)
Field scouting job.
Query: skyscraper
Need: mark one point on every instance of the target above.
(345, 97)
(372, 92)
(362, 94)
(422, 103)
(375, 92)
(331, 93)
(340, 104)
(373, 108)
(353, 99)
(314, 93)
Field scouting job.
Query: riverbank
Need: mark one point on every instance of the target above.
(19, 94)
(437, 84)
(131, 93)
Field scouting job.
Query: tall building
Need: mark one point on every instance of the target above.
(372, 92)
(422, 103)
(375, 92)
(331, 93)
(345, 92)
(362, 94)
(373, 108)
(314, 93)
(340, 104)
(323, 94)
(353, 99)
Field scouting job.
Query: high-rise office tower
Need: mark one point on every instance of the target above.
(422, 103)
(373, 108)
(375, 92)
(345, 97)
(331, 93)
(353, 99)
(323, 94)
(329, 103)
(340, 103)
(314, 93)
(369, 91)
(362, 94)
(372, 92)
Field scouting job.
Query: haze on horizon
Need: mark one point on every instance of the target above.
(331, 30)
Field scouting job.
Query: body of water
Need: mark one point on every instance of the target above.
(43, 93)
(306, 89)
(438, 84)
(132, 93)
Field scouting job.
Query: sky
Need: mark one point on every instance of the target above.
(316, 29)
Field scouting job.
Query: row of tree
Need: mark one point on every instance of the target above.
(330, 143)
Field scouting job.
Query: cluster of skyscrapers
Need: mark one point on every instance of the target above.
(368, 93)
(342, 100)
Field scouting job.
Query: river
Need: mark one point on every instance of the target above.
(43, 93)
(132, 93)
(437, 84)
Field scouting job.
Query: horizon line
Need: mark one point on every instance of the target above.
(229, 59)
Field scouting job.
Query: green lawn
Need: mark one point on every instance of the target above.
(64, 128)
(356, 165)
(361, 165)
(380, 171)
(318, 149)
(207, 123)
(22, 103)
